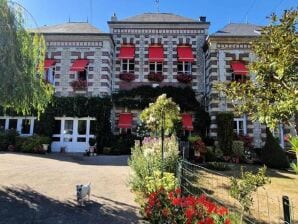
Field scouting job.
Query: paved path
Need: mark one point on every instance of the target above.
(41, 189)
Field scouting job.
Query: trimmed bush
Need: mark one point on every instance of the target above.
(272, 155)
(225, 132)
(238, 148)
(32, 144)
(8, 138)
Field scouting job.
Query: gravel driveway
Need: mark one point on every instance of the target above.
(41, 189)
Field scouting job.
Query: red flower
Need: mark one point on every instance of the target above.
(222, 211)
(189, 212)
(227, 221)
(209, 220)
(176, 201)
(165, 212)
(178, 191)
(184, 78)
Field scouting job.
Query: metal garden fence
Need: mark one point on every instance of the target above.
(195, 179)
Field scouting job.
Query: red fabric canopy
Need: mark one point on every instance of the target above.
(48, 63)
(79, 65)
(185, 53)
(127, 52)
(125, 120)
(187, 122)
(239, 68)
(156, 54)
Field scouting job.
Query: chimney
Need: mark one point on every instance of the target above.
(114, 17)
(202, 19)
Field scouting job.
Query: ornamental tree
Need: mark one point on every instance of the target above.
(22, 87)
(163, 106)
(273, 96)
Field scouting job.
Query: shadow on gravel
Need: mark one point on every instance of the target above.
(79, 158)
(24, 205)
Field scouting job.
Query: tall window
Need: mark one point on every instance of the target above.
(240, 126)
(82, 75)
(239, 78)
(184, 67)
(127, 66)
(155, 67)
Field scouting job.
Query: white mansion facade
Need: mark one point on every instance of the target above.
(157, 49)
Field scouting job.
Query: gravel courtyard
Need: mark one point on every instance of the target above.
(41, 189)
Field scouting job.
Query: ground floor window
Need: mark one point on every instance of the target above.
(240, 126)
(24, 125)
(68, 129)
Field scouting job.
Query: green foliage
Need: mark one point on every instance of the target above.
(32, 144)
(225, 132)
(121, 144)
(21, 59)
(155, 182)
(294, 143)
(193, 138)
(238, 148)
(273, 96)
(146, 160)
(219, 166)
(242, 188)
(163, 107)
(272, 155)
(79, 106)
(7, 138)
(141, 97)
(202, 122)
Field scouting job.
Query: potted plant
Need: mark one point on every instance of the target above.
(184, 78)
(45, 141)
(92, 144)
(128, 77)
(155, 77)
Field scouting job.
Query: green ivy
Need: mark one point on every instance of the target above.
(224, 122)
(140, 97)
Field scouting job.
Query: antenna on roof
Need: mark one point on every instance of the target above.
(157, 5)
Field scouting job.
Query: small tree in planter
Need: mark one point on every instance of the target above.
(238, 150)
(155, 77)
(128, 77)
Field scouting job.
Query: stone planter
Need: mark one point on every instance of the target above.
(45, 147)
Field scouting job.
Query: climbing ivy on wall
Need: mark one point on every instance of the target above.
(224, 122)
(79, 106)
(140, 97)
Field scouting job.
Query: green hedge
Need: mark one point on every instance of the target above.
(224, 122)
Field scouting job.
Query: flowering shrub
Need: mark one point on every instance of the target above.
(172, 207)
(128, 77)
(184, 78)
(247, 140)
(146, 160)
(156, 77)
(153, 183)
(79, 85)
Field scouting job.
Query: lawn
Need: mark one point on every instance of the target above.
(267, 200)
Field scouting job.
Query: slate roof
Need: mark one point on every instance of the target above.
(238, 29)
(158, 18)
(69, 28)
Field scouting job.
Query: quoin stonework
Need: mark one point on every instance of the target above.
(156, 49)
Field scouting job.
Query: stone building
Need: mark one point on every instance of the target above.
(227, 55)
(155, 49)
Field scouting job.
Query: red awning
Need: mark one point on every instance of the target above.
(239, 68)
(185, 53)
(156, 54)
(79, 65)
(125, 120)
(127, 52)
(48, 63)
(187, 122)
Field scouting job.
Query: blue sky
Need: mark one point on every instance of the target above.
(218, 12)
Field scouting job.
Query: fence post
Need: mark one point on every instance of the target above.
(286, 209)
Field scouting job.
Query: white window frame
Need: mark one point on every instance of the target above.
(155, 67)
(19, 124)
(238, 120)
(184, 64)
(75, 135)
(128, 62)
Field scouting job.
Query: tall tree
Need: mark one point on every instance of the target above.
(273, 96)
(22, 87)
(163, 107)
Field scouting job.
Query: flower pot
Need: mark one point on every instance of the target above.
(45, 147)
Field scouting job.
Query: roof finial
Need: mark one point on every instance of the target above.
(157, 5)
